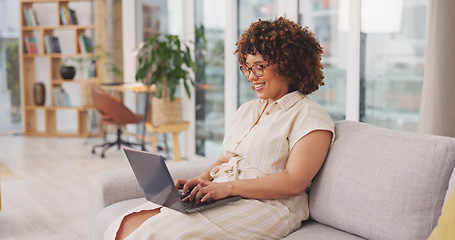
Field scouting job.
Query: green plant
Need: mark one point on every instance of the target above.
(161, 62)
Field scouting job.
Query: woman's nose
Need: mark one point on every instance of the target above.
(252, 77)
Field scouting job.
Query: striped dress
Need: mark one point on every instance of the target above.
(256, 145)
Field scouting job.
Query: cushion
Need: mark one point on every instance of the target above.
(379, 183)
(312, 230)
(446, 223)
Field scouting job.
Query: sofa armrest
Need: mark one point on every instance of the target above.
(109, 187)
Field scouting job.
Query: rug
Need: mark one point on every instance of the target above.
(5, 172)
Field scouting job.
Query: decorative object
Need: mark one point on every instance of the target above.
(67, 72)
(39, 93)
(165, 62)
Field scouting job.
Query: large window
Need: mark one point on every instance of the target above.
(392, 62)
(10, 94)
(373, 63)
(210, 77)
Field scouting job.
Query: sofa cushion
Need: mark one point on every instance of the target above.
(312, 230)
(446, 223)
(382, 184)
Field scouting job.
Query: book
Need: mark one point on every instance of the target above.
(89, 44)
(65, 98)
(30, 45)
(26, 45)
(56, 96)
(62, 16)
(30, 16)
(33, 16)
(28, 20)
(24, 48)
(33, 45)
(47, 44)
(65, 16)
(55, 45)
(82, 47)
(73, 16)
(85, 44)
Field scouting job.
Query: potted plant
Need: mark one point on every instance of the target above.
(166, 62)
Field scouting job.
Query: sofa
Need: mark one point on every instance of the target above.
(375, 183)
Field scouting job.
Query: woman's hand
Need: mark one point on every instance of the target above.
(185, 185)
(205, 190)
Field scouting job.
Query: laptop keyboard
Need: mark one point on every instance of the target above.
(194, 204)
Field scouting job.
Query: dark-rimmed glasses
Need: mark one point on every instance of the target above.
(257, 69)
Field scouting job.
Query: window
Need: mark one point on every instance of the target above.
(386, 79)
(325, 19)
(10, 93)
(392, 62)
(210, 77)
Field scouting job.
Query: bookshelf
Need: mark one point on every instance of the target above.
(56, 33)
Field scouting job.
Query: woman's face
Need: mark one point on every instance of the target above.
(269, 86)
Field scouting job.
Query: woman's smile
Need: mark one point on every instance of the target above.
(259, 86)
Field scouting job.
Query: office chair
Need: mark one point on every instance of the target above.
(114, 112)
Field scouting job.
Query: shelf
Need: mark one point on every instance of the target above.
(54, 108)
(45, 67)
(76, 81)
(54, 1)
(59, 27)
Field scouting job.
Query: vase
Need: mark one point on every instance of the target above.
(164, 111)
(39, 93)
(67, 72)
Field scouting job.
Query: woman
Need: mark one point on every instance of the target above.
(273, 148)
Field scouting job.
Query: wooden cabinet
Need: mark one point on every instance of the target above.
(41, 60)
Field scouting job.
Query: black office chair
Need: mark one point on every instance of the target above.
(114, 112)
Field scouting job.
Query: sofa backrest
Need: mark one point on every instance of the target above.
(379, 183)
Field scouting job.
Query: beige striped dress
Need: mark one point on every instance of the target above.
(255, 148)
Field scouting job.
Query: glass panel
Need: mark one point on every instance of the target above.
(392, 68)
(328, 20)
(158, 16)
(10, 94)
(210, 77)
(250, 11)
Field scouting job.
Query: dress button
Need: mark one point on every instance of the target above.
(267, 113)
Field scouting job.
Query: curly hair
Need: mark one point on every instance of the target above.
(293, 48)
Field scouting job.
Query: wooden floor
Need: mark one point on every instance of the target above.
(47, 196)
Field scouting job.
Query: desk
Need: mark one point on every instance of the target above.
(169, 128)
(129, 87)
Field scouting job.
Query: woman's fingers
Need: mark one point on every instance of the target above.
(180, 183)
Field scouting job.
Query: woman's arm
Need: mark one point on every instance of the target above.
(305, 160)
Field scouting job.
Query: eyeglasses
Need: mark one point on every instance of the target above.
(257, 69)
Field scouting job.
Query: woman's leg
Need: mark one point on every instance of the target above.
(132, 221)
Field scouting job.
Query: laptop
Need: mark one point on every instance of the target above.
(156, 182)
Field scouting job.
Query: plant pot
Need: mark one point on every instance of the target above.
(39, 94)
(166, 112)
(67, 72)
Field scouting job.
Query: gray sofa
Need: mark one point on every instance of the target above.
(375, 184)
